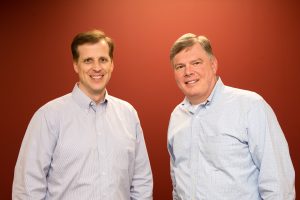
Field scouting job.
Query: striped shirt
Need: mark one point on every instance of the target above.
(76, 149)
(229, 147)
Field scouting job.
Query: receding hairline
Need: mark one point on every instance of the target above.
(188, 40)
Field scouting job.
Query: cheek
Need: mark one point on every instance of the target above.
(177, 77)
(180, 84)
(81, 72)
(177, 80)
(108, 69)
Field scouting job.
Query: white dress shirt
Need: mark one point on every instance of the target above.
(230, 147)
(75, 149)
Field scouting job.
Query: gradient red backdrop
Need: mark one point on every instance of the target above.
(256, 43)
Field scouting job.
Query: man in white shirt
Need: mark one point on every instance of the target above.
(224, 142)
(86, 144)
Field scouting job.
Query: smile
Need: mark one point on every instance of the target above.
(191, 82)
(96, 77)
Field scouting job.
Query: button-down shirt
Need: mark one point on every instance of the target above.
(76, 149)
(229, 147)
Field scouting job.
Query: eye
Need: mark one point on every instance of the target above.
(179, 67)
(103, 60)
(88, 60)
(196, 63)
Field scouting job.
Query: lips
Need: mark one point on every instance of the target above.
(191, 82)
(96, 77)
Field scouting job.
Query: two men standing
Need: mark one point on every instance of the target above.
(224, 143)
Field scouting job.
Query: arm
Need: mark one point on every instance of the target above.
(270, 153)
(142, 183)
(174, 192)
(34, 160)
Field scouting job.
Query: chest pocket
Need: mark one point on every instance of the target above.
(223, 148)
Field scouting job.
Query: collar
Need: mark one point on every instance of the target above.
(212, 97)
(83, 100)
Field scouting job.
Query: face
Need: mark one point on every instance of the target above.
(94, 68)
(195, 73)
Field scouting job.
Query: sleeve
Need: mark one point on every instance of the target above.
(174, 192)
(33, 163)
(142, 183)
(270, 153)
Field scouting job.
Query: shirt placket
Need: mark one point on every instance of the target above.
(194, 155)
(197, 158)
(101, 146)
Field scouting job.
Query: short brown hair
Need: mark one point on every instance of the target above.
(91, 37)
(188, 40)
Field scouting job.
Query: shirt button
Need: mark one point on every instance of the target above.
(103, 173)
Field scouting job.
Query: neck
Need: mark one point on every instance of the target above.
(96, 96)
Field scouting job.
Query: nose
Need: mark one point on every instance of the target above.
(97, 66)
(188, 70)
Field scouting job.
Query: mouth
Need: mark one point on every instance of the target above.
(96, 77)
(191, 82)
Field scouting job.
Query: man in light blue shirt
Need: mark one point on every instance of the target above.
(86, 145)
(224, 142)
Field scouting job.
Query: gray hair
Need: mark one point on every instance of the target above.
(188, 40)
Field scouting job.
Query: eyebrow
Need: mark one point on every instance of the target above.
(89, 57)
(198, 59)
(195, 60)
(101, 57)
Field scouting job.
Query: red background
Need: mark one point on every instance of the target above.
(256, 43)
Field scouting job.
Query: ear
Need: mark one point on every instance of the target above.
(112, 66)
(214, 64)
(75, 66)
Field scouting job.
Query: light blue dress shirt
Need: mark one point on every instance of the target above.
(230, 147)
(75, 149)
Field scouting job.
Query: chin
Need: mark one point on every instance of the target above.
(191, 93)
(99, 90)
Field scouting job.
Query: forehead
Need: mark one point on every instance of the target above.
(100, 47)
(190, 53)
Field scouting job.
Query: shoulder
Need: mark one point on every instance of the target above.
(119, 103)
(121, 107)
(179, 113)
(177, 108)
(51, 113)
(123, 110)
(58, 103)
(56, 106)
(241, 96)
(246, 100)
